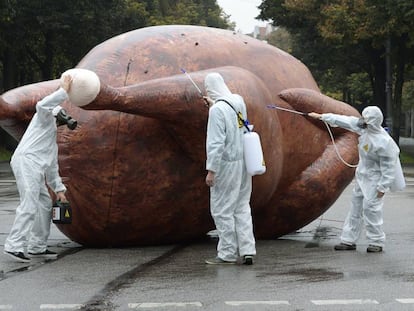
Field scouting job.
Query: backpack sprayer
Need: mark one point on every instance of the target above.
(253, 153)
(327, 126)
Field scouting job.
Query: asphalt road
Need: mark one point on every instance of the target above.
(299, 271)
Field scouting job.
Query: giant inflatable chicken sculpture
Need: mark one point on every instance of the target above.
(135, 166)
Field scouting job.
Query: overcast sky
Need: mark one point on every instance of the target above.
(243, 13)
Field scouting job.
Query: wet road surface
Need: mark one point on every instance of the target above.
(299, 271)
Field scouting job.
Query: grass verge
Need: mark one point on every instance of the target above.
(5, 155)
(406, 159)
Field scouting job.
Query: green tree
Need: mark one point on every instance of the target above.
(39, 39)
(54, 35)
(375, 22)
(281, 38)
(187, 12)
(323, 59)
(348, 37)
(408, 107)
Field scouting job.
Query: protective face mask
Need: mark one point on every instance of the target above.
(361, 123)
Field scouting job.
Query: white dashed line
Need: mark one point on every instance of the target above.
(344, 302)
(260, 302)
(149, 305)
(61, 306)
(405, 300)
(163, 305)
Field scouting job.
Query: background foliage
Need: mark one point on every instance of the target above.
(343, 42)
(40, 39)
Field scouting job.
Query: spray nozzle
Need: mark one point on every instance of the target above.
(196, 86)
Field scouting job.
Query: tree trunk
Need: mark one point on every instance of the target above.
(399, 81)
(407, 123)
(412, 123)
(378, 74)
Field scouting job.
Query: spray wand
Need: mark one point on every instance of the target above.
(288, 110)
(192, 81)
(196, 86)
(327, 126)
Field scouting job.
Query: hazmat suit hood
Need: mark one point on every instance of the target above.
(373, 117)
(215, 86)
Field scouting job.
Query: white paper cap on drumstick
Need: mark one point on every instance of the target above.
(84, 88)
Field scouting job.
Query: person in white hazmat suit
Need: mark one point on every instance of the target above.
(375, 174)
(230, 185)
(34, 163)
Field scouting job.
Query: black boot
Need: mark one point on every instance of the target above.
(345, 247)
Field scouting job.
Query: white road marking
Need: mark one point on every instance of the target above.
(61, 306)
(257, 302)
(344, 302)
(405, 300)
(163, 304)
(148, 305)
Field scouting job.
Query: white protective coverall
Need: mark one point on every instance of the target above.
(378, 156)
(230, 194)
(34, 163)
